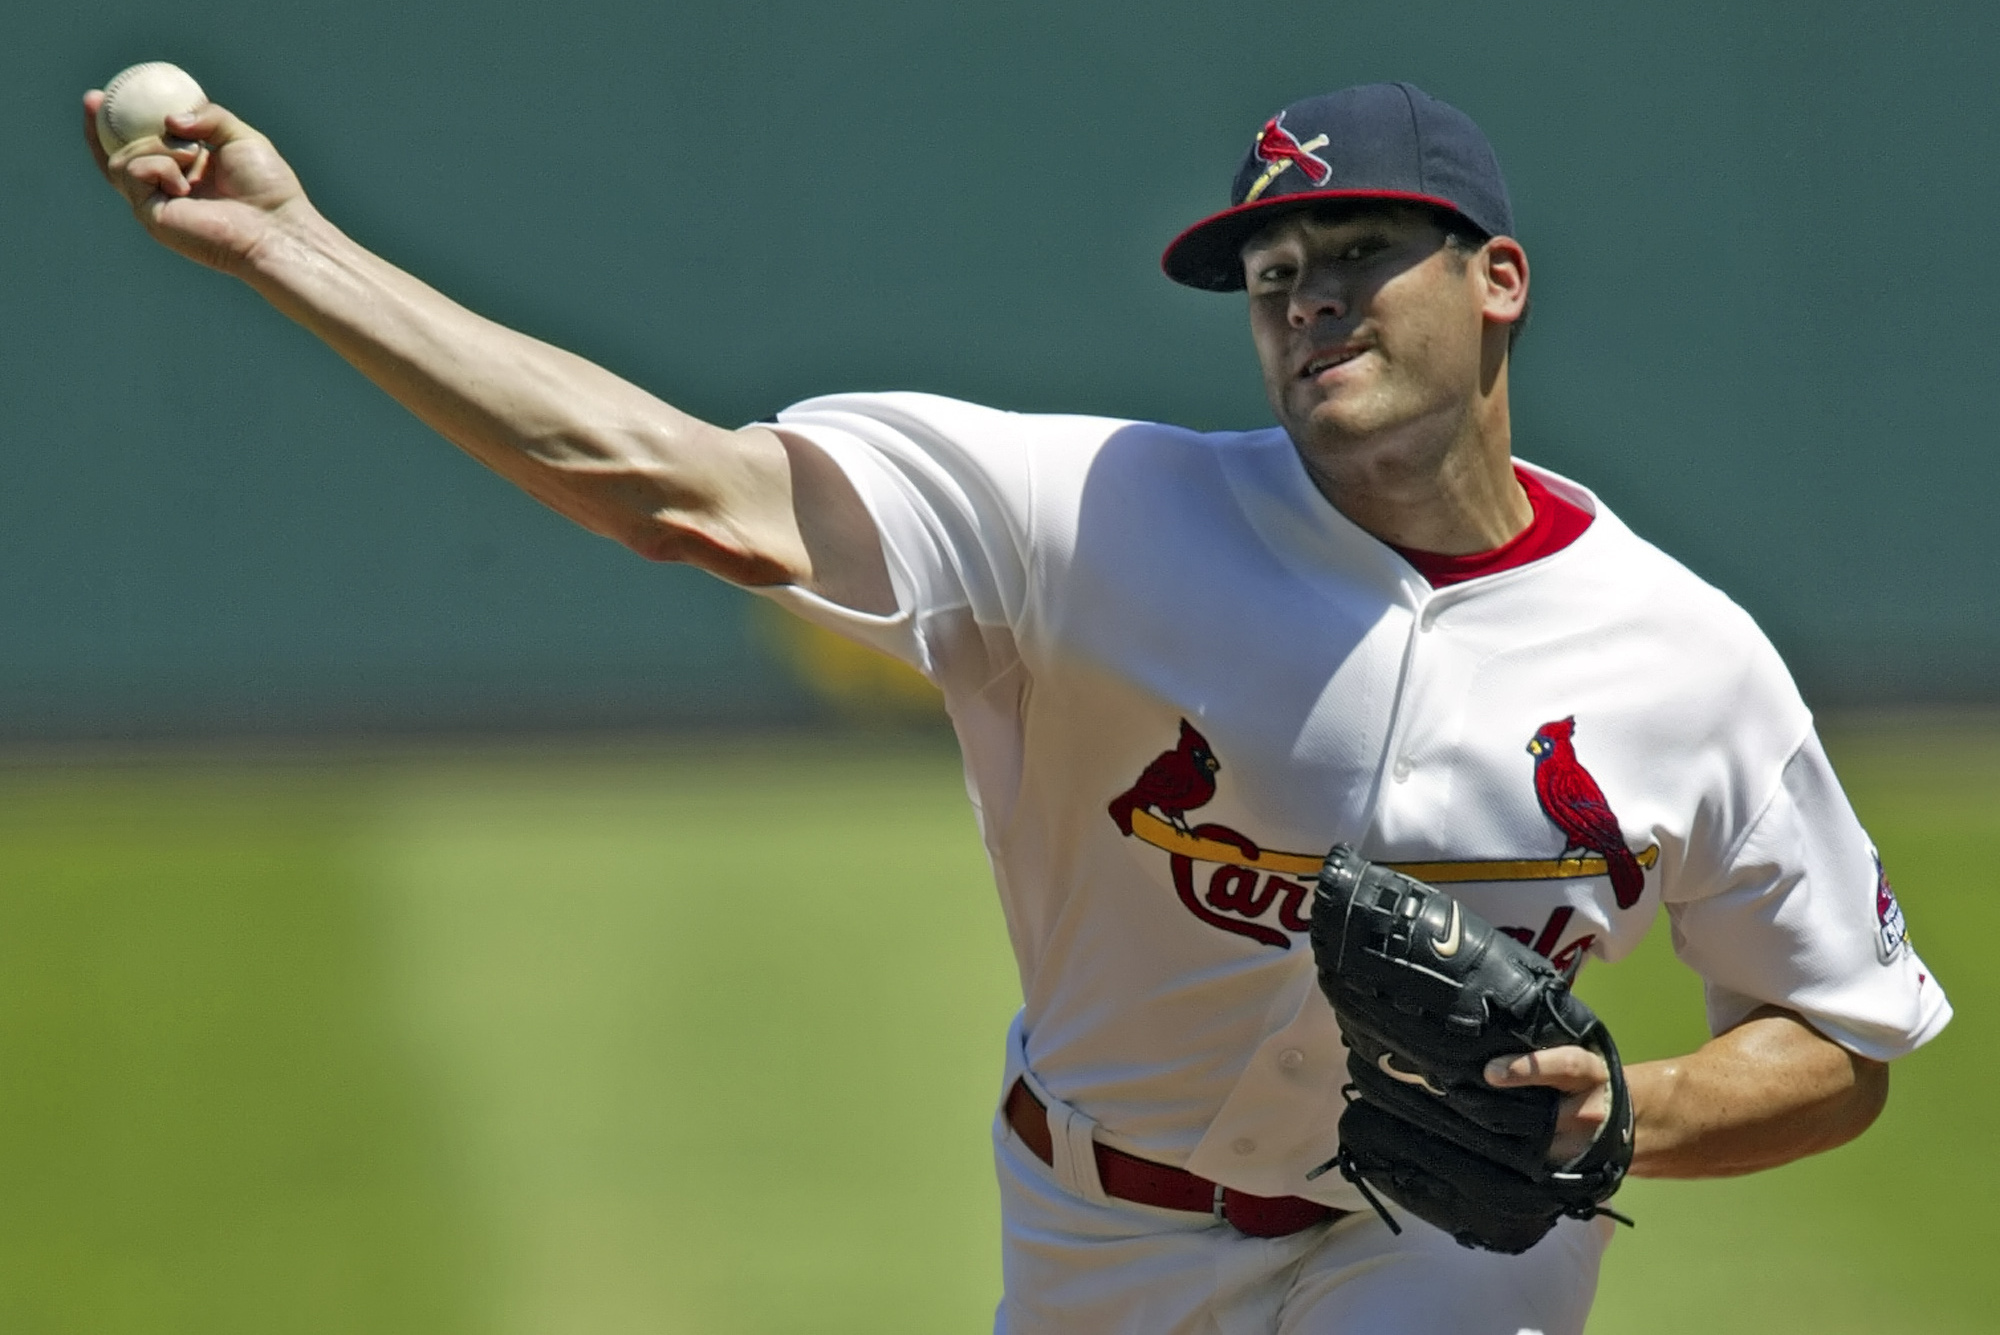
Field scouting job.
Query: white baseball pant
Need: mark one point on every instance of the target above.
(1074, 1266)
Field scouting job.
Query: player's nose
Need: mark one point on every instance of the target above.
(1318, 297)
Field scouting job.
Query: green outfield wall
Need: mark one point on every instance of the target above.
(1764, 298)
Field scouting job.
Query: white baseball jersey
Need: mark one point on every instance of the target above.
(1179, 675)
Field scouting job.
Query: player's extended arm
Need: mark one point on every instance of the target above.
(751, 506)
(1771, 1090)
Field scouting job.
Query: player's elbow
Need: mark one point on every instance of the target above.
(681, 541)
(655, 538)
(1861, 1103)
(673, 503)
(654, 516)
(1842, 1112)
(1842, 1093)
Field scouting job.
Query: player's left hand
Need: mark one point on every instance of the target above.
(1585, 1082)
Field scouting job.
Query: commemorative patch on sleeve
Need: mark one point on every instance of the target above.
(1890, 933)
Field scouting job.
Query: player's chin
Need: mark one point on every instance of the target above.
(1336, 418)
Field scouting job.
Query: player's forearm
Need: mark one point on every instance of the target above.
(1765, 1093)
(580, 439)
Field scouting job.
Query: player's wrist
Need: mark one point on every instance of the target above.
(1658, 1133)
(295, 247)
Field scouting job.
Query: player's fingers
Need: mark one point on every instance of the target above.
(1590, 1108)
(156, 172)
(1580, 1119)
(1572, 1070)
(213, 124)
(183, 151)
(91, 101)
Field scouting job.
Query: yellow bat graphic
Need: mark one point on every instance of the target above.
(1161, 835)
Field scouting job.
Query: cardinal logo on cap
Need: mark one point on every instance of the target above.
(1281, 148)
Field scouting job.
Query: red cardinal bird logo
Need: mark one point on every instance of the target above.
(1276, 144)
(1572, 799)
(1175, 783)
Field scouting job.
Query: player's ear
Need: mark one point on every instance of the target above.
(1503, 273)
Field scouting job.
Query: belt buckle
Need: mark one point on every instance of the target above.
(1221, 1206)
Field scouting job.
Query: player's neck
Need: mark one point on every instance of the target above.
(1436, 486)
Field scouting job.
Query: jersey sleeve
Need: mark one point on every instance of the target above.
(950, 487)
(1804, 918)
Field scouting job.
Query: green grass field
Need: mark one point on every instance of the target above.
(703, 1037)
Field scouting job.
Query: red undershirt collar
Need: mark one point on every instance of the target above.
(1557, 523)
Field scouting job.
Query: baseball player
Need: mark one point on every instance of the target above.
(1182, 665)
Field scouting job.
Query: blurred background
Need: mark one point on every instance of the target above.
(418, 914)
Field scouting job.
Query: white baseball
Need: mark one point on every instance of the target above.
(138, 101)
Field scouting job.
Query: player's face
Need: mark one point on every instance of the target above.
(1365, 323)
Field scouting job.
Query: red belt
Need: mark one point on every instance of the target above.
(1144, 1182)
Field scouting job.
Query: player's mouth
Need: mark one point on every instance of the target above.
(1328, 359)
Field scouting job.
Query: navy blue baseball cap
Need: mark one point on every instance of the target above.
(1388, 141)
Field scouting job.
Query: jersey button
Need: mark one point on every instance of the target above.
(1402, 769)
(1291, 1059)
(1244, 1145)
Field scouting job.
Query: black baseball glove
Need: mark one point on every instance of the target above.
(1426, 994)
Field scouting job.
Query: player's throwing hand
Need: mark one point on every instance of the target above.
(1583, 1079)
(215, 198)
